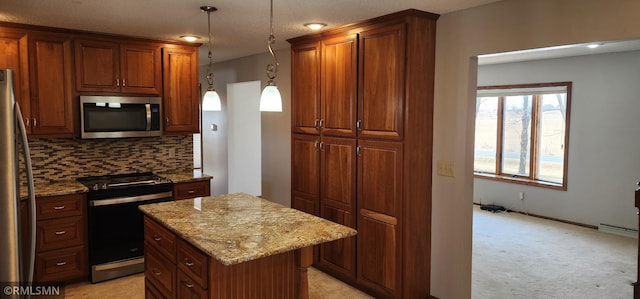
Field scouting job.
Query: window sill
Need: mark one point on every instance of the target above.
(519, 180)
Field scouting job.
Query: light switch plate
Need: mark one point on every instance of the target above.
(446, 168)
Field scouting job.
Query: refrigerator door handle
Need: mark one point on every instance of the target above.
(28, 272)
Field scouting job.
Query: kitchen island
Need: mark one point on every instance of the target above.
(231, 246)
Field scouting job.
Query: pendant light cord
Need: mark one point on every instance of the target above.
(272, 68)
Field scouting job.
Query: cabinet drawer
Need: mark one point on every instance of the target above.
(151, 292)
(160, 271)
(59, 233)
(190, 190)
(60, 206)
(187, 288)
(160, 238)
(193, 263)
(61, 265)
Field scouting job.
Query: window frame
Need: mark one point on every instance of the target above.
(498, 174)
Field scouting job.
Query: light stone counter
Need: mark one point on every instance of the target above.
(236, 228)
(186, 176)
(54, 188)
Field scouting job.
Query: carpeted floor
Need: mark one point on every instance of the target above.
(518, 256)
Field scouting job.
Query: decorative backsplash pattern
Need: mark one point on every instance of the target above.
(58, 159)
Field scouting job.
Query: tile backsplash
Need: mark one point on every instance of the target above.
(59, 159)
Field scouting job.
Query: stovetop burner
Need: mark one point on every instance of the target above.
(117, 181)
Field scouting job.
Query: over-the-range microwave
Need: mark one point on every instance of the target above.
(117, 117)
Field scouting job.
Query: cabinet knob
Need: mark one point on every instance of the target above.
(359, 125)
(118, 82)
(188, 284)
(191, 191)
(35, 122)
(156, 272)
(156, 238)
(27, 121)
(166, 120)
(321, 124)
(58, 208)
(62, 232)
(188, 262)
(123, 83)
(60, 264)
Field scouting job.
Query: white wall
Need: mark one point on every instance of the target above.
(276, 127)
(603, 148)
(461, 36)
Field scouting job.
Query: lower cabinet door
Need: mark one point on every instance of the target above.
(188, 288)
(61, 264)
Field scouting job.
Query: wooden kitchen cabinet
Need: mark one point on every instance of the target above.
(61, 242)
(338, 202)
(103, 66)
(372, 129)
(305, 164)
(181, 96)
(381, 86)
(14, 49)
(188, 190)
(305, 88)
(51, 105)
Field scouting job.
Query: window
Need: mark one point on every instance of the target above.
(522, 133)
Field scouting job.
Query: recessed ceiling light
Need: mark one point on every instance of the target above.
(190, 38)
(315, 26)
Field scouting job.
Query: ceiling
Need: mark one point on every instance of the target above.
(239, 27)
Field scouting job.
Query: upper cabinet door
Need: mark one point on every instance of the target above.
(141, 69)
(305, 88)
(181, 97)
(13, 46)
(381, 76)
(112, 67)
(51, 94)
(97, 66)
(339, 86)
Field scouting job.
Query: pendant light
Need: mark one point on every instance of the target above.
(211, 99)
(270, 100)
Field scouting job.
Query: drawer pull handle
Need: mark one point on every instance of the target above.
(188, 285)
(58, 208)
(156, 238)
(191, 191)
(60, 264)
(156, 272)
(188, 262)
(62, 232)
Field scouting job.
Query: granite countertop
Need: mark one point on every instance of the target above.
(235, 228)
(54, 188)
(186, 176)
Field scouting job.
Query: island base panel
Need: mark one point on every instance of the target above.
(280, 276)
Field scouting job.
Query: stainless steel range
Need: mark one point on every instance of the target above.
(116, 231)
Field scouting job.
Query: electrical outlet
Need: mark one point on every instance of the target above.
(446, 168)
(521, 195)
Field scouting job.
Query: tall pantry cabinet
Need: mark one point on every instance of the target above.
(362, 111)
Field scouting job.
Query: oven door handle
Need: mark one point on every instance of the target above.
(121, 200)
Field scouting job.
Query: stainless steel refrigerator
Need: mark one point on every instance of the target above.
(14, 266)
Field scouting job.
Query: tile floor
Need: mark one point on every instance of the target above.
(321, 286)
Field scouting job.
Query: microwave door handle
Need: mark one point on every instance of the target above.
(148, 107)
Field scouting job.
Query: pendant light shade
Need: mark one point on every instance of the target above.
(211, 99)
(271, 100)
